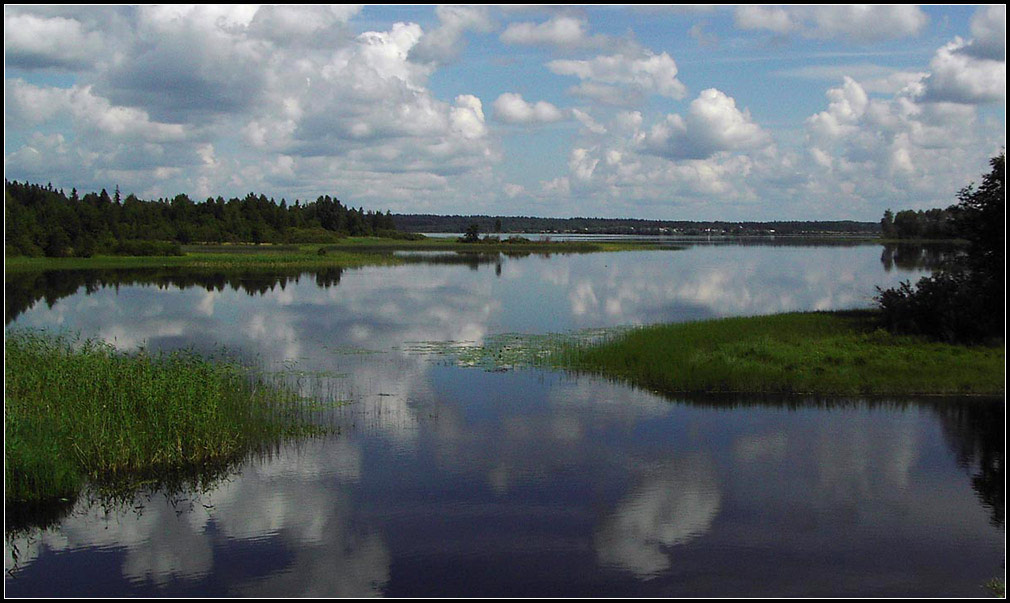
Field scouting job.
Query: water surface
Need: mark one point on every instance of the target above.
(446, 480)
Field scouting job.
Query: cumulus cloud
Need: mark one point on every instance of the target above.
(467, 117)
(310, 103)
(445, 41)
(861, 23)
(605, 77)
(305, 24)
(91, 113)
(388, 120)
(959, 75)
(512, 108)
(36, 42)
(562, 31)
(713, 124)
(848, 105)
(863, 147)
(988, 31)
(918, 141)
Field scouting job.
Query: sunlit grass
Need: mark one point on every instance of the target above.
(832, 353)
(79, 411)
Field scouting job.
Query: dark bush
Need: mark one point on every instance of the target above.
(945, 307)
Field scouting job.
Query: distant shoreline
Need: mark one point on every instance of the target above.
(354, 252)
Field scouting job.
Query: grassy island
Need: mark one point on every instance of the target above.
(820, 353)
(80, 411)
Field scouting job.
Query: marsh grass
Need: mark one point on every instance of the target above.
(819, 353)
(80, 411)
(827, 353)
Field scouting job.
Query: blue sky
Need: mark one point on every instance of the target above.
(741, 113)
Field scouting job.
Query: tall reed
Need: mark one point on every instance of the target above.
(79, 410)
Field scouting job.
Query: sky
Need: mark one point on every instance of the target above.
(752, 112)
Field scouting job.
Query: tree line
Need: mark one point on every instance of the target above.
(528, 224)
(41, 220)
(921, 224)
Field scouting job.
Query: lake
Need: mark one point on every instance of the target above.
(452, 480)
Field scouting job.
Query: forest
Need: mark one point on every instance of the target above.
(41, 220)
(922, 224)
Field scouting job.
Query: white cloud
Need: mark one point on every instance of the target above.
(644, 72)
(444, 42)
(311, 106)
(468, 117)
(848, 104)
(581, 164)
(588, 122)
(988, 30)
(774, 19)
(865, 148)
(563, 31)
(957, 75)
(89, 112)
(32, 42)
(713, 124)
(861, 23)
(511, 108)
(293, 24)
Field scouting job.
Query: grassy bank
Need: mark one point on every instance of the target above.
(79, 411)
(825, 353)
(351, 252)
(225, 257)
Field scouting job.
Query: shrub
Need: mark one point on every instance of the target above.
(945, 307)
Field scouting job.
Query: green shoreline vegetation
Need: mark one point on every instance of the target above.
(820, 353)
(351, 253)
(81, 412)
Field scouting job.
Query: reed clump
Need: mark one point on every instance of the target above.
(827, 353)
(80, 410)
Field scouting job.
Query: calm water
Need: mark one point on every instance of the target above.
(450, 481)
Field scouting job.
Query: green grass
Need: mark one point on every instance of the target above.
(825, 353)
(350, 252)
(225, 257)
(80, 412)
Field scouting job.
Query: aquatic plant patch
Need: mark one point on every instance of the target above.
(81, 411)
